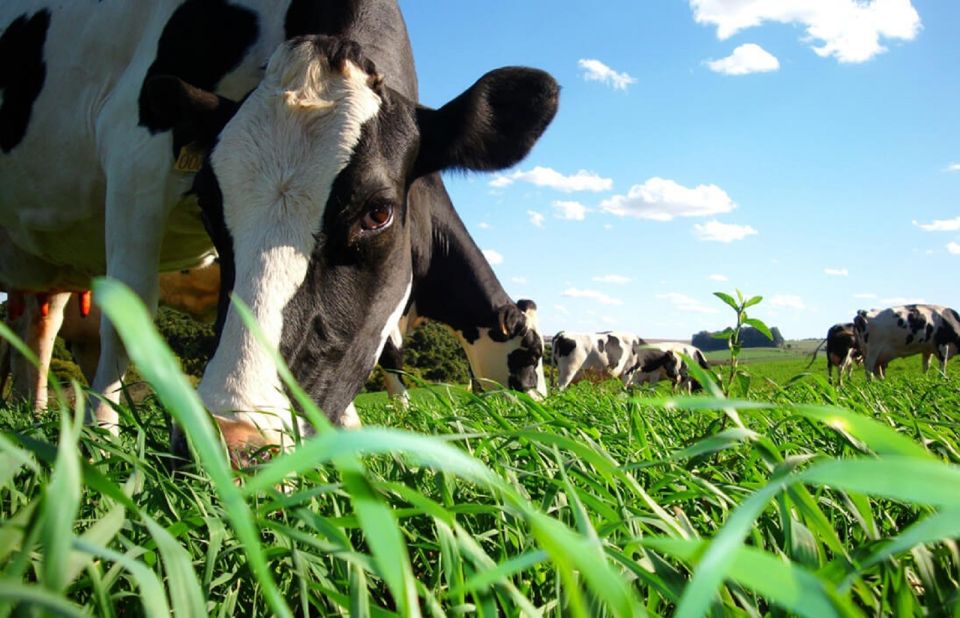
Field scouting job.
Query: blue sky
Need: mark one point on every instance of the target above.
(800, 150)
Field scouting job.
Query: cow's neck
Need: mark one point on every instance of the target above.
(455, 283)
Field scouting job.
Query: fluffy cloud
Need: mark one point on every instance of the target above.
(940, 225)
(493, 257)
(720, 278)
(600, 297)
(571, 211)
(953, 167)
(746, 59)
(483, 225)
(848, 30)
(661, 199)
(714, 231)
(617, 279)
(536, 218)
(836, 272)
(787, 301)
(596, 71)
(552, 179)
(953, 248)
(682, 302)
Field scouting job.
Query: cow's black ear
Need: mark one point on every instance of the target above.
(194, 114)
(491, 126)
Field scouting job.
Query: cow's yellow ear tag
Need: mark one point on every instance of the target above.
(190, 158)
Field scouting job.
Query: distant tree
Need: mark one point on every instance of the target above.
(432, 353)
(750, 337)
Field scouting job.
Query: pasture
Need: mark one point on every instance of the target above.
(795, 498)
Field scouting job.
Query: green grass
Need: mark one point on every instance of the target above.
(796, 498)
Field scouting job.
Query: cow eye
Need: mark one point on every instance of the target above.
(378, 216)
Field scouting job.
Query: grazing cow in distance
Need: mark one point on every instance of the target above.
(672, 368)
(509, 354)
(306, 185)
(612, 354)
(898, 332)
(843, 351)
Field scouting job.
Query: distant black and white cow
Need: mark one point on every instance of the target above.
(509, 353)
(843, 351)
(307, 188)
(672, 367)
(599, 356)
(897, 332)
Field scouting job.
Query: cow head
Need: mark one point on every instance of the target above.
(305, 192)
(510, 354)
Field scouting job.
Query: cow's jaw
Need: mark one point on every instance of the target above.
(276, 162)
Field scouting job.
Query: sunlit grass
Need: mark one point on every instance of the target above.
(808, 500)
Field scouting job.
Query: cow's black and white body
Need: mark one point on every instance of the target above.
(843, 350)
(308, 190)
(898, 332)
(652, 368)
(599, 356)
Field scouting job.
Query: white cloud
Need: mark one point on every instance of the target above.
(848, 30)
(540, 176)
(616, 279)
(940, 225)
(600, 297)
(865, 296)
(745, 59)
(661, 199)
(720, 278)
(570, 211)
(536, 218)
(606, 319)
(607, 226)
(714, 231)
(953, 248)
(493, 257)
(682, 302)
(483, 225)
(518, 280)
(836, 272)
(596, 71)
(787, 301)
(953, 167)
(561, 309)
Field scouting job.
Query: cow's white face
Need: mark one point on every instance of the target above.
(305, 197)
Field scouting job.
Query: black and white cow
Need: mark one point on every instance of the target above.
(652, 368)
(611, 354)
(898, 332)
(509, 353)
(843, 351)
(308, 187)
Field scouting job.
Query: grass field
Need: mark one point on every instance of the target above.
(796, 498)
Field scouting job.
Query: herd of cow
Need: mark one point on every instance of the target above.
(286, 141)
(878, 336)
